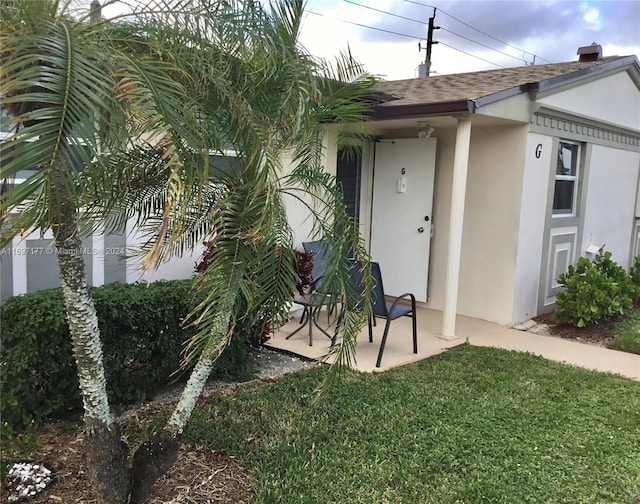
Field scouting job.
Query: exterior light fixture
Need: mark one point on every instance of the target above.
(424, 130)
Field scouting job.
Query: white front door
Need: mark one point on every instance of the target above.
(401, 213)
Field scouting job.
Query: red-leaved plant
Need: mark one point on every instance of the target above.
(304, 267)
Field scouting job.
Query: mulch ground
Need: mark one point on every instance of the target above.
(199, 476)
(595, 334)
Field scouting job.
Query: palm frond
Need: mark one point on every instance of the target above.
(131, 109)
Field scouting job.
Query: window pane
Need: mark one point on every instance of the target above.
(348, 175)
(5, 125)
(563, 197)
(567, 159)
(224, 165)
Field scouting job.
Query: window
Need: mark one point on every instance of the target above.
(566, 186)
(6, 127)
(348, 174)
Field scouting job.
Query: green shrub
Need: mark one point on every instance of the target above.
(626, 284)
(142, 337)
(634, 273)
(594, 290)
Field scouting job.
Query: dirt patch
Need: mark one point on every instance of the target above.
(594, 334)
(199, 475)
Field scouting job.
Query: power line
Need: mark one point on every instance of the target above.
(443, 29)
(384, 12)
(483, 45)
(401, 35)
(473, 55)
(476, 29)
(366, 26)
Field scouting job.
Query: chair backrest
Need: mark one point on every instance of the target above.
(378, 302)
(320, 249)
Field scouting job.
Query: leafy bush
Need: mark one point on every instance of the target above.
(142, 337)
(594, 290)
(626, 284)
(634, 273)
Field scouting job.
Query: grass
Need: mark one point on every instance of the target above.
(627, 334)
(471, 425)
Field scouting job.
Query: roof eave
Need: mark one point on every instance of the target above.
(592, 70)
(504, 94)
(555, 81)
(447, 108)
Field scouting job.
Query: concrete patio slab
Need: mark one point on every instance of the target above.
(398, 350)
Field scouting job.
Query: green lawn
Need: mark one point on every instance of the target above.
(627, 334)
(471, 425)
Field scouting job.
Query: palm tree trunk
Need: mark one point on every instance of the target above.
(156, 455)
(106, 453)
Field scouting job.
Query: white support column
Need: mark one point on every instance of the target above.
(97, 258)
(458, 190)
(133, 240)
(330, 149)
(19, 264)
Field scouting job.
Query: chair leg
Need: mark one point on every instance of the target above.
(337, 330)
(384, 342)
(371, 329)
(415, 332)
(304, 313)
(329, 312)
(335, 335)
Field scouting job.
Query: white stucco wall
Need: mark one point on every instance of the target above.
(176, 268)
(491, 221)
(539, 152)
(611, 200)
(297, 212)
(183, 267)
(614, 99)
(637, 214)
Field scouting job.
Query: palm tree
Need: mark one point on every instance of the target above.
(116, 120)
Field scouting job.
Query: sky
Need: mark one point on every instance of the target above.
(385, 35)
(474, 34)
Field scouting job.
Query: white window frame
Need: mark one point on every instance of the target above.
(571, 178)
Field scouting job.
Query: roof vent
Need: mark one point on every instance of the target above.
(592, 52)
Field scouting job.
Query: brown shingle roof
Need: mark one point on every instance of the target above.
(478, 85)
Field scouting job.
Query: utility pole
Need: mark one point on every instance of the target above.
(430, 41)
(95, 11)
(425, 70)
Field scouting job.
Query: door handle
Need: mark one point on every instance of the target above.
(420, 230)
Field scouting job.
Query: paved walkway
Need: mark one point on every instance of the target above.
(475, 331)
(562, 350)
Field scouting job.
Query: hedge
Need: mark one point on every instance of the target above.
(142, 338)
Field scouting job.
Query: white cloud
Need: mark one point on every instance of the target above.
(591, 16)
(535, 26)
(552, 29)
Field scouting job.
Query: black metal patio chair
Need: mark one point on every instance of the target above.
(382, 309)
